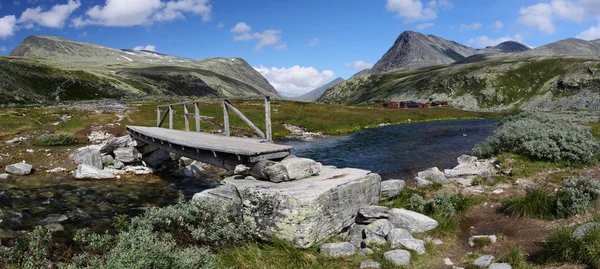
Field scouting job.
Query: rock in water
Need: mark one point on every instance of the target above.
(412, 221)
(336, 250)
(308, 211)
(85, 171)
(391, 188)
(398, 257)
(127, 155)
(90, 156)
(21, 169)
(107, 159)
(299, 168)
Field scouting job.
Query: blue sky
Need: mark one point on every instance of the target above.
(296, 45)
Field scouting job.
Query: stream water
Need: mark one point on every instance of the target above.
(393, 151)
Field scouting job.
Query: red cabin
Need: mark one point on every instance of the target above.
(423, 105)
(391, 105)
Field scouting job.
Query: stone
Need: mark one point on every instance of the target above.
(466, 159)
(498, 191)
(396, 235)
(500, 266)
(336, 250)
(469, 167)
(241, 169)
(299, 168)
(127, 155)
(115, 143)
(370, 265)
(583, 229)
(355, 234)
(270, 170)
(413, 244)
(366, 251)
(185, 161)
(308, 211)
(4, 176)
(433, 174)
(471, 240)
(20, 169)
(412, 221)
(369, 214)
(380, 228)
(118, 164)
(448, 262)
(54, 227)
(107, 159)
(156, 158)
(465, 181)
(54, 218)
(90, 156)
(374, 239)
(471, 191)
(224, 195)
(57, 170)
(85, 171)
(422, 182)
(398, 257)
(16, 140)
(391, 188)
(483, 261)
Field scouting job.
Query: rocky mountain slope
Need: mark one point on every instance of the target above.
(316, 93)
(43, 69)
(559, 76)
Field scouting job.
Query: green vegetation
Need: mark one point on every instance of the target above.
(561, 246)
(55, 140)
(541, 139)
(482, 242)
(516, 257)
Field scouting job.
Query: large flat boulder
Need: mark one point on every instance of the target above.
(311, 210)
(412, 221)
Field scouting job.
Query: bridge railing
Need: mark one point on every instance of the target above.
(227, 105)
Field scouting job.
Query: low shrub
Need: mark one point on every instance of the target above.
(482, 242)
(55, 140)
(536, 204)
(516, 257)
(444, 203)
(561, 246)
(541, 139)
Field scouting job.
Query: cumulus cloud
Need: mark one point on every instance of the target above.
(543, 15)
(590, 34)
(8, 26)
(484, 41)
(313, 42)
(424, 26)
(359, 65)
(142, 12)
(412, 10)
(538, 16)
(296, 80)
(266, 38)
(473, 26)
(497, 26)
(147, 47)
(54, 18)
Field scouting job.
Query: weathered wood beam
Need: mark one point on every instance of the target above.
(170, 117)
(187, 121)
(251, 97)
(244, 118)
(226, 118)
(158, 117)
(163, 118)
(197, 116)
(268, 129)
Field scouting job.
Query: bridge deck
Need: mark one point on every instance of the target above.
(209, 142)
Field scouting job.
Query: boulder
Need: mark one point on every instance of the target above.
(299, 168)
(241, 169)
(355, 234)
(369, 214)
(500, 266)
(185, 161)
(21, 169)
(398, 257)
(370, 265)
(270, 170)
(413, 244)
(396, 235)
(336, 250)
(422, 182)
(469, 167)
(374, 240)
(366, 251)
(583, 229)
(127, 155)
(89, 155)
(471, 240)
(4, 176)
(309, 211)
(433, 174)
(412, 221)
(380, 228)
(483, 261)
(115, 143)
(391, 188)
(466, 159)
(85, 171)
(156, 158)
(107, 159)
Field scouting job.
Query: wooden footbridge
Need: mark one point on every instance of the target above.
(220, 150)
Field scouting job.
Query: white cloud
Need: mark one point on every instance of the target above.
(498, 25)
(543, 15)
(441, 3)
(359, 65)
(590, 34)
(538, 16)
(220, 25)
(142, 12)
(269, 37)
(473, 26)
(484, 41)
(411, 10)
(424, 26)
(3, 49)
(313, 42)
(8, 26)
(295, 80)
(567, 10)
(147, 47)
(54, 18)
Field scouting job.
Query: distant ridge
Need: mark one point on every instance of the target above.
(568, 47)
(313, 95)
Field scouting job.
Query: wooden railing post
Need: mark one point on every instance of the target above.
(197, 116)
(170, 117)
(226, 118)
(268, 118)
(158, 117)
(187, 121)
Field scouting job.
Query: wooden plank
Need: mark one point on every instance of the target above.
(187, 121)
(197, 116)
(244, 118)
(163, 119)
(170, 117)
(268, 129)
(158, 121)
(226, 119)
(251, 97)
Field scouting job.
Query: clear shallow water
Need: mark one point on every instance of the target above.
(398, 151)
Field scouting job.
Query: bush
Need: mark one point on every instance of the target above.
(561, 246)
(536, 203)
(516, 257)
(55, 140)
(541, 139)
(445, 204)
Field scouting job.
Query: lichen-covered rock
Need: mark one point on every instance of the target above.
(422, 182)
(107, 159)
(299, 168)
(466, 159)
(396, 235)
(412, 221)
(270, 170)
(398, 257)
(20, 169)
(355, 234)
(413, 244)
(336, 250)
(471, 167)
(308, 211)
(391, 188)
(225, 195)
(127, 155)
(89, 155)
(380, 228)
(85, 171)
